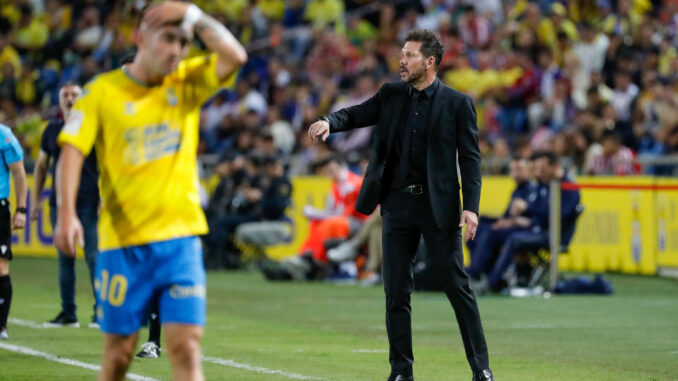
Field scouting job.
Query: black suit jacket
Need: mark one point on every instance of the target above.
(452, 128)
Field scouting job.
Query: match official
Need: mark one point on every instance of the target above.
(11, 160)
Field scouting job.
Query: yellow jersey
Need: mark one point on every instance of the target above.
(146, 140)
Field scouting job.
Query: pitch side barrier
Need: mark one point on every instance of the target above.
(629, 224)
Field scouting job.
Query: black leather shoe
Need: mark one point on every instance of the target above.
(483, 375)
(401, 378)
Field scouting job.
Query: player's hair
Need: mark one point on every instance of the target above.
(128, 59)
(69, 83)
(430, 44)
(145, 8)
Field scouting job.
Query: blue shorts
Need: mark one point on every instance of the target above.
(128, 279)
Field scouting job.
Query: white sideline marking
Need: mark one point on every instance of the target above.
(64, 360)
(369, 351)
(674, 352)
(258, 369)
(132, 376)
(26, 323)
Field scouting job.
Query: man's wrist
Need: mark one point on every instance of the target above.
(20, 209)
(325, 118)
(191, 17)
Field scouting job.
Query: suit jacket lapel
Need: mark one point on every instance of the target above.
(397, 113)
(436, 110)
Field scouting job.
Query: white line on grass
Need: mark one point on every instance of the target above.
(369, 351)
(26, 323)
(64, 360)
(258, 369)
(215, 360)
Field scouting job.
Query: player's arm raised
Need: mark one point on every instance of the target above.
(216, 37)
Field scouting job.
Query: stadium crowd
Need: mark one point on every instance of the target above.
(592, 81)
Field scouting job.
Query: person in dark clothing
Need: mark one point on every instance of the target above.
(87, 208)
(490, 231)
(271, 228)
(537, 237)
(421, 125)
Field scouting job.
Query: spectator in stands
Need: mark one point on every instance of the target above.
(237, 200)
(338, 220)
(491, 234)
(609, 157)
(371, 234)
(270, 228)
(536, 237)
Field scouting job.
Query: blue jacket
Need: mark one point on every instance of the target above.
(538, 206)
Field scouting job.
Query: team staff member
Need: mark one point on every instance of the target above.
(11, 160)
(87, 205)
(143, 119)
(421, 125)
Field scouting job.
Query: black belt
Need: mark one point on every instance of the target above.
(413, 189)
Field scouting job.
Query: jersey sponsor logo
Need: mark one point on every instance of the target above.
(150, 143)
(3, 248)
(194, 291)
(74, 122)
(129, 108)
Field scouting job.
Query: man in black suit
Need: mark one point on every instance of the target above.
(421, 126)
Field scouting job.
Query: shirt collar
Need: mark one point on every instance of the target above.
(427, 92)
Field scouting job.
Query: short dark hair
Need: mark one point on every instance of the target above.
(550, 157)
(430, 44)
(611, 135)
(324, 160)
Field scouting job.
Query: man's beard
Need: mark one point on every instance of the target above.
(416, 76)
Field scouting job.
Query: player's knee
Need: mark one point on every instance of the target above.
(186, 351)
(121, 356)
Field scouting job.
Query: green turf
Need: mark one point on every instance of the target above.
(316, 329)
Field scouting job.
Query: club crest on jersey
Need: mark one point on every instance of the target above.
(129, 108)
(172, 98)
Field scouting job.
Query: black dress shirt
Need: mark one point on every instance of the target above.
(407, 162)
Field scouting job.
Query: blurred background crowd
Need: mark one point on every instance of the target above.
(592, 81)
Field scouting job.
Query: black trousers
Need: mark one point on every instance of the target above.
(406, 218)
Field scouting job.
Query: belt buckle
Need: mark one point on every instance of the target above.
(415, 189)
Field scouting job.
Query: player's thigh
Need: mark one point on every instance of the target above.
(182, 287)
(123, 290)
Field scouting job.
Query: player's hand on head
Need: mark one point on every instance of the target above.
(68, 232)
(166, 11)
(319, 130)
(18, 221)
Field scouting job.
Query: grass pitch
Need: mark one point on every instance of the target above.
(260, 331)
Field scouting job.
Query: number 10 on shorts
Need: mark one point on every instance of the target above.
(113, 289)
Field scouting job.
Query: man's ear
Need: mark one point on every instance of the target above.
(431, 62)
(137, 36)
